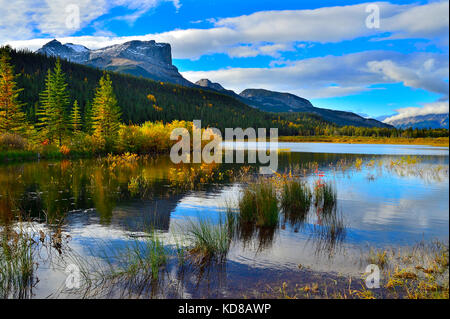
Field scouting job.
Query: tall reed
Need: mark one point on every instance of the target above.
(16, 264)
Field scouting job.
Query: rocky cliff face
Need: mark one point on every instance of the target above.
(142, 58)
(68, 51)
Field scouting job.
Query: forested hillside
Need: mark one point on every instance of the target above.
(143, 100)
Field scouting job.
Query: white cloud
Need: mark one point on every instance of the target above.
(427, 21)
(30, 18)
(262, 33)
(270, 33)
(429, 108)
(425, 76)
(332, 76)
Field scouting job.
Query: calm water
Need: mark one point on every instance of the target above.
(378, 207)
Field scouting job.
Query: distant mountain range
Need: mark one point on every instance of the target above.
(153, 60)
(421, 121)
(271, 101)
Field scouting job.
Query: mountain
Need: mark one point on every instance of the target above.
(276, 102)
(153, 60)
(142, 99)
(422, 121)
(285, 102)
(205, 83)
(140, 58)
(67, 51)
(271, 101)
(217, 87)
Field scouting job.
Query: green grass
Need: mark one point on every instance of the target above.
(259, 205)
(295, 198)
(120, 272)
(145, 258)
(17, 155)
(325, 196)
(210, 241)
(16, 264)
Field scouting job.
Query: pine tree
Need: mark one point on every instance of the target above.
(106, 112)
(12, 118)
(54, 103)
(75, 117)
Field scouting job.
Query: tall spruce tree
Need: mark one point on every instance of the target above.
(106, 112)
(12, 118)
(75, 117)
(54, 104)
(43, 113)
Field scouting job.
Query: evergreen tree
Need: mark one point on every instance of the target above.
(75, 117)
(44, 111)
(54, 103)
(87, 118)
(12, 118)
(106, 112)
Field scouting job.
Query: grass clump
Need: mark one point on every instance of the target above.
(16, 264)
(295, 197)
(259, 205)
(325, 196)
(210, 241)
(378, 257)
(147, 257)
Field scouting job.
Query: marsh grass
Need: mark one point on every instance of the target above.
(415, 272)
(325, 196)
(145, 258)
(16, 264)
(259, 205)
(209, 241)
(133, 270)
(378, 257)
(295, 199)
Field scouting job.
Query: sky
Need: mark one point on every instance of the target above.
(377, 59)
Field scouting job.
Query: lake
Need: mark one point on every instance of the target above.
(100, 208)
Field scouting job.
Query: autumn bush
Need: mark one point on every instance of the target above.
(10, 141)
(150, 137)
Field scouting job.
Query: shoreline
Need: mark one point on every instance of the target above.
(26, 156)
(426, 141)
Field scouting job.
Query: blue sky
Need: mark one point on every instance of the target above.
(320, 50)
